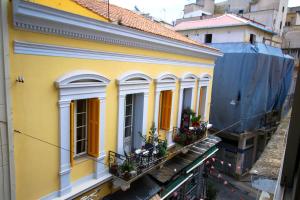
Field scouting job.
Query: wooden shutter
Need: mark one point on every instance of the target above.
(93, 127)
(72, 133)
(166, 107)
(201, 101)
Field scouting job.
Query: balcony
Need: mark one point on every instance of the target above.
(131, 166)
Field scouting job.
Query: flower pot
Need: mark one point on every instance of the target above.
(127, 175)
(114, 169)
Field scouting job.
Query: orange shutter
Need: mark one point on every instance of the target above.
(166, 108)
(93, 127)
(72, 133)
(200, 101)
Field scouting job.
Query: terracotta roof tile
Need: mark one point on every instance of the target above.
(131, 19)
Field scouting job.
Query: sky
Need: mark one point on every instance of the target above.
(168, 10)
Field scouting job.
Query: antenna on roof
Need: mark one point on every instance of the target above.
(107, 1)
(136, 8)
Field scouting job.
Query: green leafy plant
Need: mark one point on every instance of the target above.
(127, 165)
(195, 119)
(162, 148)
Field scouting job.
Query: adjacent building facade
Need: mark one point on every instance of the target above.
(86, 79)
(291, 33)
(226, 29)
(270, 13)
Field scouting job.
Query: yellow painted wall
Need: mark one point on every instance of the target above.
(35, 105)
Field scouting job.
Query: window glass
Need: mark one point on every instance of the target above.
(208, 38)
(81, 127)
(128, 115)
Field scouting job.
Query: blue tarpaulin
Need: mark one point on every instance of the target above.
(249, 81)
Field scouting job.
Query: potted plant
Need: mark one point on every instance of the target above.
(162, 148)
(195, 120)
(127, 168)
(114, 169)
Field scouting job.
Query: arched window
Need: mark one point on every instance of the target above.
(133, 110)
(165, 86)
(202, 97)
(186, 94)
(81, 113)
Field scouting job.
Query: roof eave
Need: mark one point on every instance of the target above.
(38, 18)
(232, 25)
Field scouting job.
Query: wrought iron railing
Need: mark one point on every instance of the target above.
(186, 136)
(130, 165)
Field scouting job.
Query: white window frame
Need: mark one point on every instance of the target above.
(164, 82)
(203, 81)
(188, 80)
(76, 155)
(74, 86)
(131, 83)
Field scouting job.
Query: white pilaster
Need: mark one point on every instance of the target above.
(121, 113)
(180, 106)
(99, 162)
(145, 112)
(156, 107)
(64, 129)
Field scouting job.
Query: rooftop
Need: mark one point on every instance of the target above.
(226, 20)
(125, 17)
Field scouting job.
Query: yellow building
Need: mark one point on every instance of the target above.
(85, 78)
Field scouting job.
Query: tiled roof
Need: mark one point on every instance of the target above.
(221, 21)
(131, 19)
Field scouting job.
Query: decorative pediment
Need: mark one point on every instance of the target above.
(134, 78)
(205, 77)
(166, 78)
(81, 79)
(188, 77)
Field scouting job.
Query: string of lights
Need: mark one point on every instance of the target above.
(171, 154)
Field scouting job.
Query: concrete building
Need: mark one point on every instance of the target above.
(271, 13)
(234, 35)
(291, 34)
(224, 29)
(199, 8)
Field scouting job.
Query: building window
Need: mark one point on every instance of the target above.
(283, 9)
(208, 38)
(80, 127)
(128, 115)
(132, 111)
(241, 11)
(280, 25)
(84, 128)
(164, 104)
(128, 120)
(252, 38)
(288, 24)
(165, 109)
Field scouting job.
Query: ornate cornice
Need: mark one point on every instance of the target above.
(61, 51)
(37, 18)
